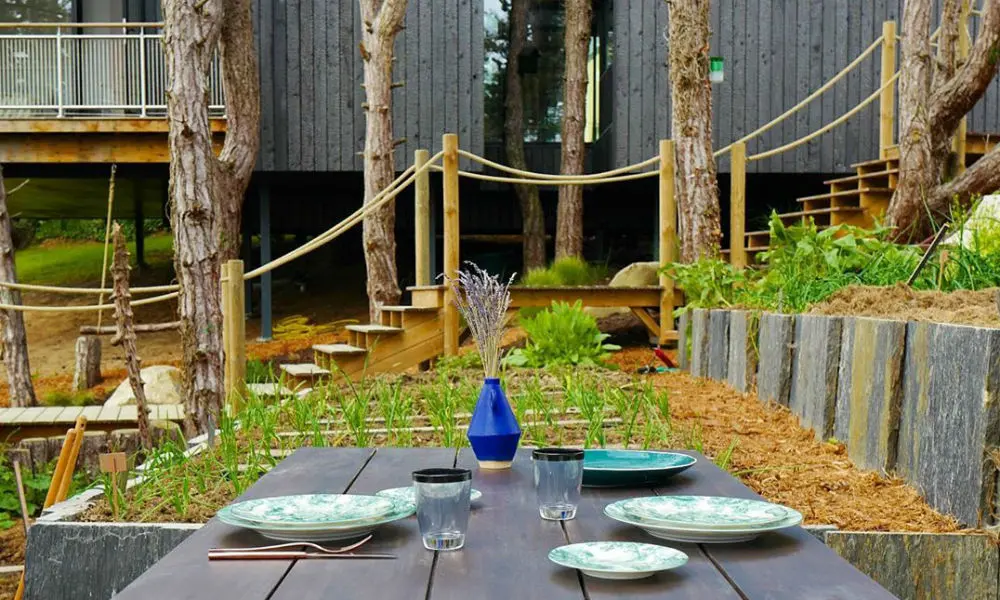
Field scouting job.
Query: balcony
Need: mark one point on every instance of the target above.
(106, 80)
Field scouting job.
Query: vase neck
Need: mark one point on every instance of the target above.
(492, 381)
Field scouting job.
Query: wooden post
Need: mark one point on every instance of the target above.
(451, 239)
(422, 220)
(737, 204)
(87, 364)
(227, 332)
(234, 321)
(887, 101)
(60, 471)
(74, 452)
(964, 43)
(668, 236)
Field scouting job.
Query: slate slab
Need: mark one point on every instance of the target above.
(870, 390)
(699, 342)
(923, 566)
(950, 422)
(718, 344)
(742, 367)
(683, 337)
(93, 561)
(815, 362)
(774, 368)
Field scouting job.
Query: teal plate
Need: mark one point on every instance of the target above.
(619, 468)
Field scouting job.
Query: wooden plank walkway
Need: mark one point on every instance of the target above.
(40, 421)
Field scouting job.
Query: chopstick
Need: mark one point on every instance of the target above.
(283, 555)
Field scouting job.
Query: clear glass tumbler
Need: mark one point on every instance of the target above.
(443, 506)
(558, 477)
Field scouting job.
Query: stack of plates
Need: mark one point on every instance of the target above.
(315, 517)
(703, 519)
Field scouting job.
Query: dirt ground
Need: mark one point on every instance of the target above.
(902, 303)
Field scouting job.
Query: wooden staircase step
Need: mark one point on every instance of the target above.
(426, 295)
(338, 349)
(846, 194)
(408, 308)
(875, 162)
(862, 176)
(821, 211)
(304, 370)
(373, 328)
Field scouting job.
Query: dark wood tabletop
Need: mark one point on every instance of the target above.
(506, 551)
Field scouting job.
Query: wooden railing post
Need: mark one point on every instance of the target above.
(887, 100)
(668, 236)
(737, 204)
(451, 240)
(234, 331)
(964, 43)
(422, 220)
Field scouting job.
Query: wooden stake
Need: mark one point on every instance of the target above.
(451, 241)
(227, 376)
(81, 426)
(737, 205)
(20, 496)
(422, 219)
(668, 236)
(57, 476)
(887, 100)
(115, 463)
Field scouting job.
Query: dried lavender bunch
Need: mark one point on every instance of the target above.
(483, 302)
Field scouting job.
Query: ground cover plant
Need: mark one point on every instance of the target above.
(561, 335)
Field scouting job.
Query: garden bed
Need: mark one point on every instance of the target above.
(902, 303)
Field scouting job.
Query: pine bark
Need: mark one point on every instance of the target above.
(125, 335)
(15, 338)
(691, 126)
(206, 192)
(569, 218)
(382, 20)
(532, 215)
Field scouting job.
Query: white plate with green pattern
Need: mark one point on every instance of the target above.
(311, 511)
(401, 510)
(409, 494)
(705, 512)
(618, 560)
(696, 535)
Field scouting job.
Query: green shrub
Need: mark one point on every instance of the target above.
(61, 398)
(566, 271)
(561, 335)
(36, 485)
(86, 229)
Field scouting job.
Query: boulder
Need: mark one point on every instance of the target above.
(162, 384)
(640, 274)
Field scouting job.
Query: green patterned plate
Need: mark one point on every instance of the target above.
(618, 560)
(312, 510)
(614, 468)
(408, 494)
(705, 512)
(401, 510)
(676, 533)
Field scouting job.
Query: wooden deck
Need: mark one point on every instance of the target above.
(42, 421)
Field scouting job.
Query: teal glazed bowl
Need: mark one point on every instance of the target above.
(621, 468)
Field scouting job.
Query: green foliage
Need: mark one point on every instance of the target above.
(75, 262)
(566, 271)
(259, 371)
(36, 486)
(61, 398)
(87, 229)
(561, 335)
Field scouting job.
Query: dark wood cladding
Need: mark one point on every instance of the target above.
(312, 116)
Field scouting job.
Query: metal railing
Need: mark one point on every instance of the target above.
(88, 69)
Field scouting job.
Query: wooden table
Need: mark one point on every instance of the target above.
(505, 556)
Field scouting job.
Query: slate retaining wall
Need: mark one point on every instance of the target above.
(921, 400)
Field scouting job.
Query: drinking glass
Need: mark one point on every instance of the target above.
(558, 477)
(443, 506)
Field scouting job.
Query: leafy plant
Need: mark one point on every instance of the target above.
(562, 335)
(566, 271)
(36, 486)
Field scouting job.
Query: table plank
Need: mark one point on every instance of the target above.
(506, 551)
(787, 564)
(697, 580)
(186, 573)
(404, 577)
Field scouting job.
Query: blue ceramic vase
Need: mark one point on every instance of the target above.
(493, 431)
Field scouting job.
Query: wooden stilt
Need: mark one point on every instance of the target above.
(887, 101)
(234, 332)
(451, 240)
(422, 220)
(737, 205)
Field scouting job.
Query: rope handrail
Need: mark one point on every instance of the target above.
(399, 184)
(500, 179)
(551, 177)
(55, 289)
(85, 307)
(829, 126)
(819, 92)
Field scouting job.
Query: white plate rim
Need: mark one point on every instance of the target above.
(680, 555)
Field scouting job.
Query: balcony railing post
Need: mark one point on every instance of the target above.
(142, 70)
(59, 73)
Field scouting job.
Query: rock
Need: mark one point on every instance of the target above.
(640, 274)
(774, 371)
(699, 342)
(950, 418)
(162, 385)
(870, 391)
(815, 363)
(742, 367)
(923, 566)
(718, 344)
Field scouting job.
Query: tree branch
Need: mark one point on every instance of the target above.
(241, 83)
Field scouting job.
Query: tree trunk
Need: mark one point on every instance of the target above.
(532, 215)
(87, 366)
(206, 193)
(382, 21)
(15, 338)
(569, 220)
(691, 126)
(917, 172)
(125, 336)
